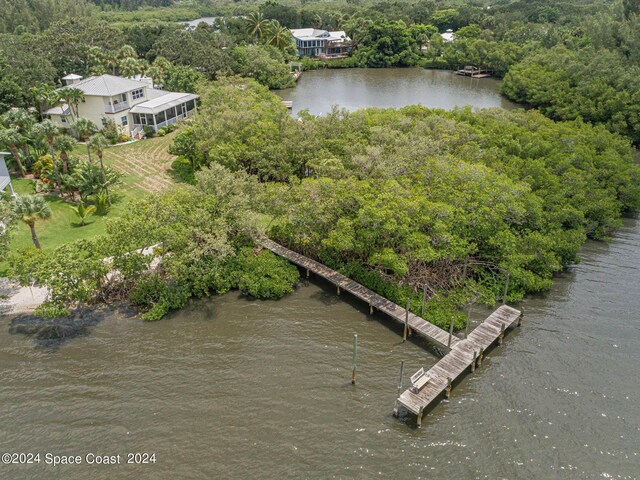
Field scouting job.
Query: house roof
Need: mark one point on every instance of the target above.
(163, 102)
(72, 76)
(5, 179)
(316, 34)
(107, 85)
(60, 110)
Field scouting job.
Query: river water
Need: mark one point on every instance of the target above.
(234, 388)
(354, 88)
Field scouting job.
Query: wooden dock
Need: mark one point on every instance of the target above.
(465, 354)
(417, 324)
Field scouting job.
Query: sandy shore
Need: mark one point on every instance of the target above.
(15, 299)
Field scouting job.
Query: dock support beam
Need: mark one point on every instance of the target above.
(506, 290)
(308, 273)
(370, 309)
(447, 392)
(520, 318)
(475, 359)
(480, 355)
(419, 418)
(338, 289)
(501, 336)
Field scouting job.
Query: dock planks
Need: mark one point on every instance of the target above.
(419, 325)
(461, 356)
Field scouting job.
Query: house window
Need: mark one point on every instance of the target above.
(124, 120)
(63, 119)
(104, 121)
(136, 94)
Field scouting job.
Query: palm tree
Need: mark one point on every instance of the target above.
(31, 208)
(22, 121)
(72, 97)
(84, 128)
(277, 35)
(44, 97)
(64, 143)
(98, 143)
(49, 131)
(130, 67)
(12, 138)
(83, 212)
(255, 23)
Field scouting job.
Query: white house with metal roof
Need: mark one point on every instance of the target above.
(312, 42)
(131, 104)
(5, 179)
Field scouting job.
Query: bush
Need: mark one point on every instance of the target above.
(149, 132)
(43, 167)
(265, 275)
(161, 132)
(123, 137)
(182, 170)
(156, 297)
(110, 131)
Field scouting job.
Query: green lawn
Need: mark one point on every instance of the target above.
(144, 167)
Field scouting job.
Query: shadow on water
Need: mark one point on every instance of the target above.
(51, 334)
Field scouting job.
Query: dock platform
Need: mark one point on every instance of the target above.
(465, 354)
(418, 325)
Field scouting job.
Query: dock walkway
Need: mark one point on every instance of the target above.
(461, 355)
(467, 353)
(417, 324)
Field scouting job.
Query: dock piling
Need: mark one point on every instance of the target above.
(448, 390)
(406, 322)
(450, 332)
(401, 372)
(506, 290)
(355, 359)
(501, 337)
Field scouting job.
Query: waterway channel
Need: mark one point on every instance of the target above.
(354, 88)
(234, 388)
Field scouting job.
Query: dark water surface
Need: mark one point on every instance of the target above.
(355, 88)
(232, 388)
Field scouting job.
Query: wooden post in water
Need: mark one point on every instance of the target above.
(338, 289)
(475, 359)
(355, 359)
(480, 357)
(501, 336)
(406, 322)
(448, 390)
(419, 418)
(401, 372)
(424, 300)
(520, 317)
(370, 309)
(450, 332)
(506, 289)
(307, 273)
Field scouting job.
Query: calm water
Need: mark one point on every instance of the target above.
(232, 388)
(356, 88)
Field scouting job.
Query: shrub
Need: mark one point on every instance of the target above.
(149, 132)
(110, 131)
(123, 137)
(265, 275)
(43, 166)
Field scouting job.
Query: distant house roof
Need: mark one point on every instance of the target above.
(316, 34)
(448, 36)
(107, 85)
(60, 110)
(193, 24)
(72, 76)
(5, 179)
(162, 102)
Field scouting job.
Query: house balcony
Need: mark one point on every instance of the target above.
(116, 107)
